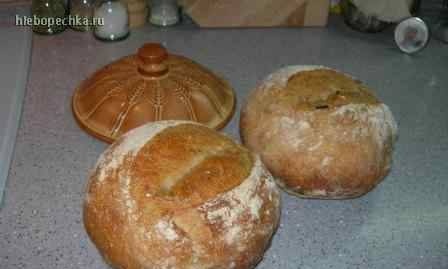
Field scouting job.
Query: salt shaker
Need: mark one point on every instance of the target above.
(82, 11)
(111, 17)
(164, 12)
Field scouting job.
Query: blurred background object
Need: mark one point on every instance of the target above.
(46, 10)
(360, 21)
(15, 52)
(138, 12)
(164, 12)
(335, 7)
(435, 13)
(374, 16)
(260, 13)
(14, 3)
(411, 35)
(114, 15)
(84, 10)
(385, 10)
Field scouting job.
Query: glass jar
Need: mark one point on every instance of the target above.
(111, 20)
(48, 16)
(81, 12)
(164, 12)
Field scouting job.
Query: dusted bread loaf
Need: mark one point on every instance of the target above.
(177, 195)
(321, 133)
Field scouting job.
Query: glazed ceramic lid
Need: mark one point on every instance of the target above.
(150, 86)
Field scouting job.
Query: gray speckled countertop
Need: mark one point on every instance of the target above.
(403, 223)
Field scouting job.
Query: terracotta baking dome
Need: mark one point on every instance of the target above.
(150, 86)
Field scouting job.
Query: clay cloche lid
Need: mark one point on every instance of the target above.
(150, 86)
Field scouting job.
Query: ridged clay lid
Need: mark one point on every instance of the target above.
(150, 86)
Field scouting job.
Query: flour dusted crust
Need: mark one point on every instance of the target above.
(321, 133)
(212, 206)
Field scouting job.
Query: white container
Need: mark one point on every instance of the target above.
(114, 18)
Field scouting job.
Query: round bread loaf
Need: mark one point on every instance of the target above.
(321, 133)
(175, 195)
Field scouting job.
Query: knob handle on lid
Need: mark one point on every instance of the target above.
(152, 60)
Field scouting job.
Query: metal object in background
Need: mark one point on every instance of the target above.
(412, 35)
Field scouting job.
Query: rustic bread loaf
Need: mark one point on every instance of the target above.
(321, 133)
(175, 194)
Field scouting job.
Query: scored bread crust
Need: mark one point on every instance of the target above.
(134, 225)
(327, 139)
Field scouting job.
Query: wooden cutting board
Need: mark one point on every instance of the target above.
(257, 13)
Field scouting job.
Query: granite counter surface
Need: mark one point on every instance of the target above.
(403, 223)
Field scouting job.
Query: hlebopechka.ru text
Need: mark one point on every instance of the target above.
(50, 21)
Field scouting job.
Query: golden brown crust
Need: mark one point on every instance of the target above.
(321, 133)
(186, 197)
(188, 161)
